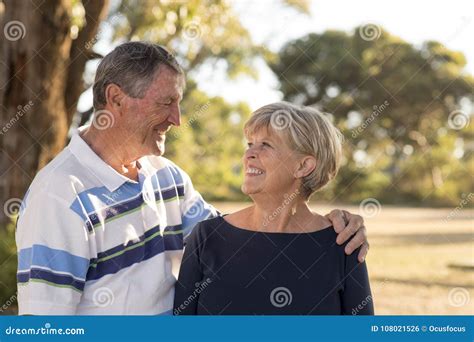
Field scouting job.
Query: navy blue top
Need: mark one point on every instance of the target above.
(233, 271)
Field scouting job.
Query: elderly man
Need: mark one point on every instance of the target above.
(102, 226)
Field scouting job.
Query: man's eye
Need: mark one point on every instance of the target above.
(249, 145)
(266, 144)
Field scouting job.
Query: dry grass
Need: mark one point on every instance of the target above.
(411, 250)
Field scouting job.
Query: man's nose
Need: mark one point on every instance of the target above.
(175, 116)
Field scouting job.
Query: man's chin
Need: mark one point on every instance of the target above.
(156, 149)
(159, 149)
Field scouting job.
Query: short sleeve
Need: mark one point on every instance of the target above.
(53, 256)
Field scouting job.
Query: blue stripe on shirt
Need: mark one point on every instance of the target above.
(197, 212)
(55, 279)
(55, 259)
(167, 177)
(145, 247)
(92, 218)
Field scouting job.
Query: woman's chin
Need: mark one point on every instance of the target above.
(249, 190)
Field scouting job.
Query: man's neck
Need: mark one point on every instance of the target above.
(112, 151)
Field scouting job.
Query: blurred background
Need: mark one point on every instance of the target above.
(395, 77)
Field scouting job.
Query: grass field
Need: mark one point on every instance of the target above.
(410, 257)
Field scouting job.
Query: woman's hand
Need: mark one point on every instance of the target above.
(347, 224)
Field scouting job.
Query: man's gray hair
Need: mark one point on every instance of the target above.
(132, 66)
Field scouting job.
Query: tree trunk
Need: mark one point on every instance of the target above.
(36, 95)
(81, 52)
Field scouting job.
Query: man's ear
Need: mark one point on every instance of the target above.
(114, 96)
(306, 165)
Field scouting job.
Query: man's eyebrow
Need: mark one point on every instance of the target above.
(170, 97)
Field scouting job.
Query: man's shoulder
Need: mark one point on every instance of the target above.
(60, 178)
(160, 162)
(164, 167)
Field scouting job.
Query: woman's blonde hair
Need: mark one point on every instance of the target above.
(306, 131)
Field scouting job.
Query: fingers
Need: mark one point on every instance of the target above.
(355, 223)
(336, 217)
(358, 240)
(363, 252)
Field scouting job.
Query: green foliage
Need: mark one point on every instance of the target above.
(8, 262)
(393, 101)
(198, 31)
(209, 144)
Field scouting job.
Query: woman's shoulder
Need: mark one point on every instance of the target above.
(206, 228)
(239, 218)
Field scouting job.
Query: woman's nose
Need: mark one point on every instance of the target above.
(251, 153)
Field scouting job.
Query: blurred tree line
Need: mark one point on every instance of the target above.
(404, 110)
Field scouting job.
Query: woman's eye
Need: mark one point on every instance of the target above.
(267, 144)
(249, 145)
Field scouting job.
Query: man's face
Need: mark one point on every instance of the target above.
(147, 120)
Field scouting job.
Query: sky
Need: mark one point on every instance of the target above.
(272, 24)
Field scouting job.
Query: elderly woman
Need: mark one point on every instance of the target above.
(276, 256)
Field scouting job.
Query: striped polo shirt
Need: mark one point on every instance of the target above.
(91, 241)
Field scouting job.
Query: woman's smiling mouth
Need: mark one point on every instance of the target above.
(253, 171)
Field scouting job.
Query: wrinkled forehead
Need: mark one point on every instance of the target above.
(168, 82)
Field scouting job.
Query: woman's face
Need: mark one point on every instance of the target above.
(269, 166)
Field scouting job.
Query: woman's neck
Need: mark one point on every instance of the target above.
(287, 216)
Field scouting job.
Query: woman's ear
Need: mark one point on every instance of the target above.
(305, 166)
